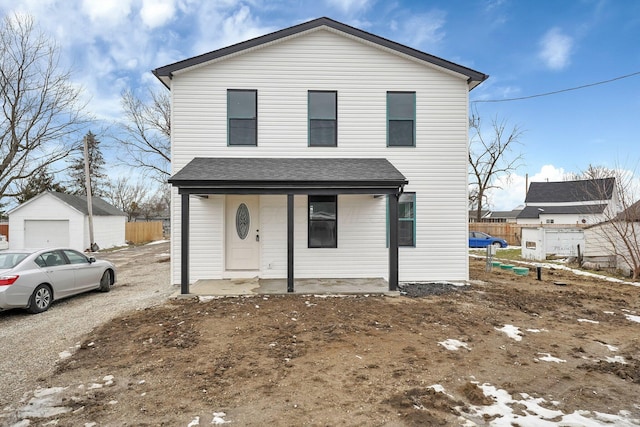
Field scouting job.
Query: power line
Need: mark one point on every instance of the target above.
(558, 91)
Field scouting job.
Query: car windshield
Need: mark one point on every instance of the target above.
(10, 259)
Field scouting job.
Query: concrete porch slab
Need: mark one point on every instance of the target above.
(256, 286)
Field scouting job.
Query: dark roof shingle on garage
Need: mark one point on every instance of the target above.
(79, 202)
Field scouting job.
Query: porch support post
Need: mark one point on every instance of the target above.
(289, 242)
(184, 245)
(393, 242)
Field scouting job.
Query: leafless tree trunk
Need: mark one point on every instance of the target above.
(128, 197)
(147, 127)
(489, 158)
(619, 233)
(41, 110)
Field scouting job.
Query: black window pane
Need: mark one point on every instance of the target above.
(405, 233)
(401, 133)
(401, 105)
(242, 104)
(322, 133)
(242, 132)
(323, 222)
(322, 105)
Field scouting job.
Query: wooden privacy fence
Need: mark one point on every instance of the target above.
(512, 232)
(4, 230)
(142, 232)
(509, 231)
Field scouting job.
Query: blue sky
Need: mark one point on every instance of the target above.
(527, 47)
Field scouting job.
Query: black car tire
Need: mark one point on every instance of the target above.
(106, 281)
(40, 300)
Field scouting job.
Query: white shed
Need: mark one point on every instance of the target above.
(57, 219)
(538, 242)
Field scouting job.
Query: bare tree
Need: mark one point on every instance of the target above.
(41, 110)
(147, 127)
(489, 158)
(128, 197)
(618, 235)
(592, 172)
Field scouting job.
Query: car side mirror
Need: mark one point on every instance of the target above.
(92, 260)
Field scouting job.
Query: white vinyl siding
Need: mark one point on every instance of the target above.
(362, 74)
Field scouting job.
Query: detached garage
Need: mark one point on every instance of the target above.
(57, 219)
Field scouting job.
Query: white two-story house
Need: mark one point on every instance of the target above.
(580, 202)
(319, 151)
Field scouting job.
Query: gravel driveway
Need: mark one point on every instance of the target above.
(31, 344)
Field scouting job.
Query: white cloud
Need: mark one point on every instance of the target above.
(422, 31)
(350, 6)
(514, 188)
(555, 49)
(107, 12)
(156, 13)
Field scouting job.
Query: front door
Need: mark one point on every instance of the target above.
(242, 233)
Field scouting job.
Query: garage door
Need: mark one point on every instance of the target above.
(46, 233)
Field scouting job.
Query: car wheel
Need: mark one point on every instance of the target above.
(40, 299)
(106, 281)
(496, 245)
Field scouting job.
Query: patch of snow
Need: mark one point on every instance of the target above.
(437, 388)
(157, 242)
(94, 386)
(616, 359)
(453, 345)
(610, 347)
(536, 331)
(512, 332)
(609, 312)
(588, 321)
(218, 418)
(632, 318)
(546, 357)
(534, 415)
(206, 298)
(64, 355)
(43, 404)
(194, 422)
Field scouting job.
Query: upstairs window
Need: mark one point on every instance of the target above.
(401, 119)
(323, 221)
(242, 117)
(323, 122)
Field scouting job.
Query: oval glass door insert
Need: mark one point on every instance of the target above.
(242, 221)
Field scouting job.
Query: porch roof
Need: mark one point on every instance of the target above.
(232, 175)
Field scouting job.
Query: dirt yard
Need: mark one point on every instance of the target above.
(504, 351)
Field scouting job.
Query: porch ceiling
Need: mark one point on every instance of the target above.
(204, 175)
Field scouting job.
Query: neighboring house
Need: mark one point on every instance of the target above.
(615, 243)
(569, 202)
(496, 216)
(57, 219)
(294, 154)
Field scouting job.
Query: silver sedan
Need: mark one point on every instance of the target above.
(34, 279)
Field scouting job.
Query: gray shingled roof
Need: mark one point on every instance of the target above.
(570, 191)
(287, 172)
(98, 206)
(535, 212)
(164, 73)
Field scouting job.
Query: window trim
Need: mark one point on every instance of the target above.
(255, 144)
(309, 118)
(335, 200)
(413, 119)
(414, 219)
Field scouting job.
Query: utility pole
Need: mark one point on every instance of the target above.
(87, 182)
